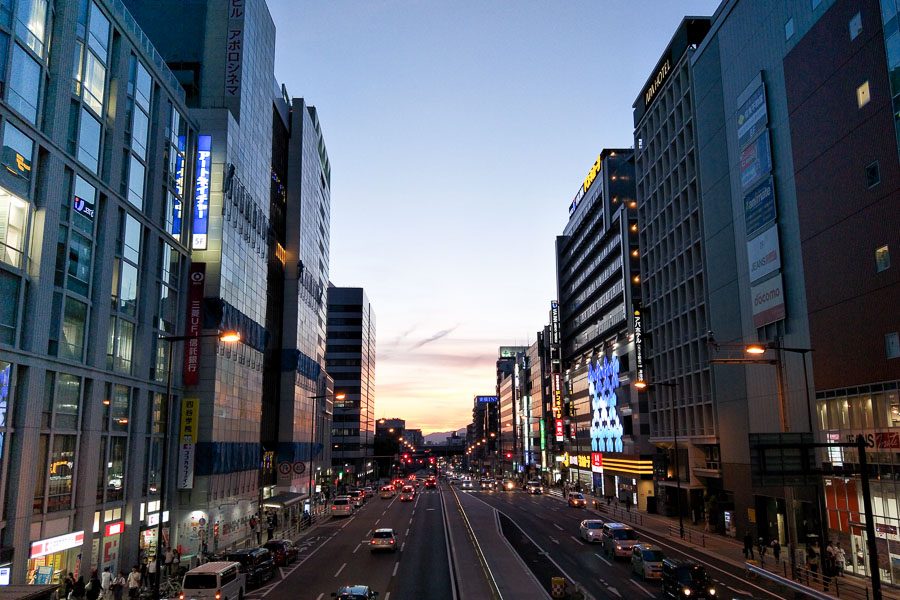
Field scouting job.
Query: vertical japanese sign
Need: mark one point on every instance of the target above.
(639, 343)
(177, 206)
(560, 428)
(196, 279)
(201, 194)
(190, 411)
(554, 322)
(234, 48)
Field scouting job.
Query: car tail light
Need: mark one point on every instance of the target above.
(218, 594)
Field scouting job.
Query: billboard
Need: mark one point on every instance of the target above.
(200, 229)
(763, 254)
(485, 399)
(560, 430)
(752, 116)
(768, 301)
(756, 161)
(190, 419)
(759, 207)
(196, 280)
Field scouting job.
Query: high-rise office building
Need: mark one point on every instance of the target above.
(604, 429)
(228, 79)
(505, 455)
(673, 292)
(99, 157)
(350, 357)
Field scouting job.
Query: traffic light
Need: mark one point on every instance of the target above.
(509, 455)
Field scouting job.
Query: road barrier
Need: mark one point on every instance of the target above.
(558, 587)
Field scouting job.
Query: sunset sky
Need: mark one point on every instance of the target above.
(458, 133)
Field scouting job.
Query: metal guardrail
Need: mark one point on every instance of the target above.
(810, 582)
(495, 589)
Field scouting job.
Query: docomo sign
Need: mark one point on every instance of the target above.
(768, 301)
(56, 544)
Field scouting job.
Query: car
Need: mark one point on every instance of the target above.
(534, 487)
(686, 579)
(342, 506)
(214, 580)
(487, 484)
(509, 485)
(591, 530)
(355, 592)
(284, 551)
(407, 494)
(256, 563)
(576, 500)
(370, 491)
(467, 485)
(430, 484)
(618, 540)
(387, 492)
(383, 540)
(646, 561)
(358, 497)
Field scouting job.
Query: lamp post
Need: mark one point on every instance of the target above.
(228, 337)
(312, 438)
(641, 386)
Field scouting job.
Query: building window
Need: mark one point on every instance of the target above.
(89, 141)
(31, 24)
(98, 36)
(873, 175)
(892, 345)
(61, 473)
(855, 26)
(789, 29)
(862, 95)
(13, 223)
(66, 401)
(140, 129)
(73, 328)
(18, 150)
(24, 84)
(9, 308)
(882, 259)
(121, 345)
(136, 182)
(80, 251)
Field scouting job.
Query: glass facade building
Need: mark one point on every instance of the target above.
(94, 246)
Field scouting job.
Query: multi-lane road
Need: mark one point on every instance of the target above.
(476, 545)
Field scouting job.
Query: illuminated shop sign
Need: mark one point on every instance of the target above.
(510, 351)
(114, 528)
(196, 279)
(554, 322)
(177, 206)
(560, 430)
(597, 462)
(557, 395)
(485, 399)
(56, 544)
(606, 427)
(639, 344)
(201, 194)
(83, 206)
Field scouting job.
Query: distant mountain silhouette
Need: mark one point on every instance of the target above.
(440, 437)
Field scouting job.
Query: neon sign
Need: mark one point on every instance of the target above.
(606, 428)
(201, 194)
(177, 206)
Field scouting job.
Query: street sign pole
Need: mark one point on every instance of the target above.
(874, 571)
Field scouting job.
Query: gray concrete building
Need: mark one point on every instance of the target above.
(673, 292)
(100, 157)
(350, 357)
(228, 81)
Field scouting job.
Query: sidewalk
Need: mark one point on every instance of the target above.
(729, 549)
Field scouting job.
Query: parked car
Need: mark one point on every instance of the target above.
(618, 540)
(284, 551)
(220, 580)
(646, 561)
(342, 506)
(576, 500)
(685, 578)
(256, 563)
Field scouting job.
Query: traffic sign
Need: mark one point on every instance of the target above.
(299, 467)
(284, 468)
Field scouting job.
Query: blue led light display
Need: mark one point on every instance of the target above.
(201, 194)
(606, 428)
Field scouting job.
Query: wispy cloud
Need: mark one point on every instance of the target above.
(434, 338)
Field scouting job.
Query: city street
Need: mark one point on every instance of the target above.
(338, 554)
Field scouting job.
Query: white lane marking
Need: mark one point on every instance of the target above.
(410, 521)
(608, 564)
(402, 546)
(341, 569)
(614, 591)
(387, 596)
(557, 526)
(642, 588)
(396, 566)
(357, 548)
(577, 540)
(319, 597)
(413, 512)
(376, 521)
(407, 531)
(554, 540)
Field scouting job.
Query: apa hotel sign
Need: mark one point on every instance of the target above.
(656, 82)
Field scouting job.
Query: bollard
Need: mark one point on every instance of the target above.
(558, 587)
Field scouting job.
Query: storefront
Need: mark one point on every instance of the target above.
(50, 559)
(147, 541)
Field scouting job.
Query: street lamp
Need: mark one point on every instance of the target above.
(642, 385)
(228, 337)
(312, 438)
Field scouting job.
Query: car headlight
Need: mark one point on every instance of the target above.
(687, 591)
(618, 547)
(712, 591)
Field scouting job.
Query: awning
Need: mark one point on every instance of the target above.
(283, 500)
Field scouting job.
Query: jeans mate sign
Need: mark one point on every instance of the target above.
(196, 279)
(190, 418)
(201, 194)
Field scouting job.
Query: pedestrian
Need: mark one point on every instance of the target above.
(812, 561)
(78, 590)
(776, 550)
(270, 528)
(829, 566)
(152, 571)
(106, 583)
(168, 561)
(628, 502)
(118, 586)
(134, 582)
(93, 589)
(176, 563)
(68, 584)
(761, 548)
(748, 546)
(841, 559)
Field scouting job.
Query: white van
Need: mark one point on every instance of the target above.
(214, 581)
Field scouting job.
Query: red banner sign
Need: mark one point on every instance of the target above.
(597, 462)
(196, 279)
(560, 430)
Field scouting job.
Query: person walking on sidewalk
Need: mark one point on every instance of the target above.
(776, 550)
(841, 558)
(748, 546)
(92, 591)
(761, 548)
(134, 582)
(118, 586)
(78, 590)
(106, 583)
